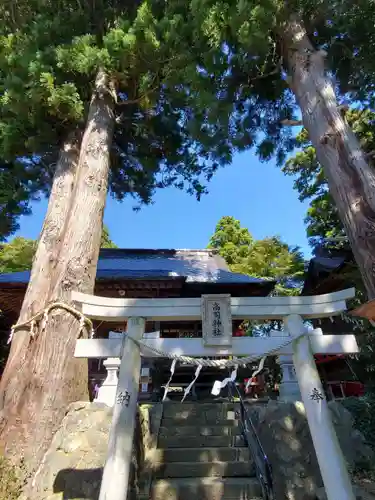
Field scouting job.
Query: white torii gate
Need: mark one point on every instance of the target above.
(306, 343)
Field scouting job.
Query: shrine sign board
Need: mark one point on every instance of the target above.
(216, 320)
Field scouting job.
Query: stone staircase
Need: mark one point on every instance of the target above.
(202, 455)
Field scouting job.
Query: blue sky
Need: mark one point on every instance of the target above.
(257, 194)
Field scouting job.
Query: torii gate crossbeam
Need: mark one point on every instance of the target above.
(292, 310)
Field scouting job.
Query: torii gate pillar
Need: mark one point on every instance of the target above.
(331, 461)
(120, 446)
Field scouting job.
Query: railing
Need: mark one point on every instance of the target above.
(262, 465)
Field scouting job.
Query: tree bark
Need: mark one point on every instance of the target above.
(50, 378)
(350, 179)
(80, 252)
(50, 238)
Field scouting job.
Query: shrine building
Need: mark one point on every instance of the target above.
(329, 273)
(149, 273)
(169, 273)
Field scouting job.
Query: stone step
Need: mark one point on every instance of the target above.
(204, 430)
(189, 410)
(199, 421)
(200, 441)
(200, 404)
(206, 489)
(170, 455)
(201, 469)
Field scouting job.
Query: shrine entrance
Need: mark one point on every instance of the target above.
(295, 347)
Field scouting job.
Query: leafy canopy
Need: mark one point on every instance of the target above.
(240, 52)
(18, 254)
(324, 227)
(266, 258)
(106, 239)
(346, 30)
(166, 111)
(18, 185)
(188, 93)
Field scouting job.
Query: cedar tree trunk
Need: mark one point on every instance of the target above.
(37, 392)
(351, 179)
(45, 257)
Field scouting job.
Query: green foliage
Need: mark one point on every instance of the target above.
(232, 240)
(18, 254)
(273, 258)
(17, 187)
(239, 46)
(349, 36)
(188, 94)
(363, 412)
(106, 240)
(322, 218)
(10, 483)
(251, 89)
(326, 231)
(363, 364)
(267, 258)
(170, 127)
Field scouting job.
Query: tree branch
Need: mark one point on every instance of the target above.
(135, 101)
(292, 123)
(274, 71)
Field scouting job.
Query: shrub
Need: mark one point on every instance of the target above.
(10, 484)
(363, 412)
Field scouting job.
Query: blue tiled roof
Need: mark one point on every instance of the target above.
(24, 276)
(21, 277)
(194, 265)
(200, 266)
(133, 273)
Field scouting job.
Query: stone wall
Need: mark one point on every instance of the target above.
(73, 466)
(285, 436)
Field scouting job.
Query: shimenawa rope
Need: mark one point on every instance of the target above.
(43, 316)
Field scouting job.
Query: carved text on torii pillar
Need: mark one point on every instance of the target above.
(123, 398)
